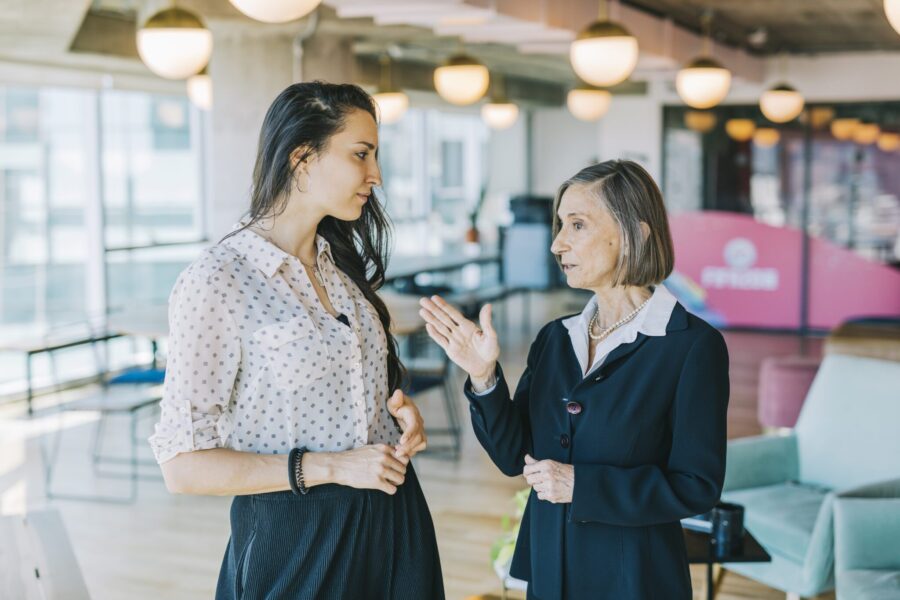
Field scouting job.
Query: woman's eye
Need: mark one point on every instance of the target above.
(577, 226)
(362, 155)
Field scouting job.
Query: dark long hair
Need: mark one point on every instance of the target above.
(306, 115)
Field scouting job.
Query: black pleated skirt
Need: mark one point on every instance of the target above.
(336, 542)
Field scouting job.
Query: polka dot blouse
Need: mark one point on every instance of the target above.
(257, 364)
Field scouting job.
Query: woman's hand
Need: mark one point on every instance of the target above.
(372, 467)
(407, 414)
(551, 480)
(475, 350)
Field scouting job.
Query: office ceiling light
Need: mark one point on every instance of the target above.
(604, 53)
(392, 103)
(888, 142)
(820, 116)
(200, 91)
(766, 137)
(740, 130)
(588, 103)
(700, 121)
(276, 11)
(892, 10)
(866, 134)
(704, 82)
(499, 115)
(174, 43)
(461, 80)
(842, 129)
(781, 103)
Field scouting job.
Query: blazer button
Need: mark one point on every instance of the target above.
(573, 407)
(564, 440)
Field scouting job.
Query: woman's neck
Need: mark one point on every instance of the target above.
(294, 235)
(614, 303)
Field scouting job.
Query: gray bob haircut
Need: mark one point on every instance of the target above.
(631, 196)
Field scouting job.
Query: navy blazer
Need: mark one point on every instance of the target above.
(648, 448)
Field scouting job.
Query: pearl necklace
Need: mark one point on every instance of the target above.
(604, 333)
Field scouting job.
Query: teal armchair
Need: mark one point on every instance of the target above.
(845, 438)
(867, 543)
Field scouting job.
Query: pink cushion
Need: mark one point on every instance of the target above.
(783, 384)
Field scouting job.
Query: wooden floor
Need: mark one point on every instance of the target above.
(165, 546)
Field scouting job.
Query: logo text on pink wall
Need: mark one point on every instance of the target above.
(738, 274)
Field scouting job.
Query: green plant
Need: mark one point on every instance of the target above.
(503, 547)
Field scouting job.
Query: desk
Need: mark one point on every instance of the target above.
(407, 267)
(700, 550)
(51, 342)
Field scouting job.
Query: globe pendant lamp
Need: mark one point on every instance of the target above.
(740, 130)
(587, 103)
(866, 134)
(461, 80)
(700, 121)
(843, 129)
(499, 113)
(892, 10)
(392, 103)
(781, 103)
(766, 137)
(276, 11)
(200, 91)
(604, 53)
(888, 142)
(703, 83)
(174, 43)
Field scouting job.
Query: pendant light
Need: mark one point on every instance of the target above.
(174, 43)
(740, 130)
(604, 53)
(391, 102)
(766, 137)
(588, 103)
(842, 129)
(888, 141)
(199, 90)
(781, 103)
(461, 80)
(276, 11)
(866, 133)
(701, 121)
(704, 82)
(499, 113)
(892, 10)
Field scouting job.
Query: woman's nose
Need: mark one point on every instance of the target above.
(375, 175)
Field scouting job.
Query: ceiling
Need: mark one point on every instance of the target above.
(792, 26)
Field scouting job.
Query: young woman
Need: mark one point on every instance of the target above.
(281, 367)
(618, 422)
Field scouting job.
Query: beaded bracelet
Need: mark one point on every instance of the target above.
(295, 471)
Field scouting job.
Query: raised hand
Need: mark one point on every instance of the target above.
(474, 349)
(407, 414)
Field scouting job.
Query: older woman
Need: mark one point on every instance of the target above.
(618, 421)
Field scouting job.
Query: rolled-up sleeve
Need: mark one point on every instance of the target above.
(203, 360)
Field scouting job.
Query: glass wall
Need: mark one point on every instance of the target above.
(91, 184)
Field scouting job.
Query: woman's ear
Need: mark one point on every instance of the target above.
(299, 156)
(645, 231)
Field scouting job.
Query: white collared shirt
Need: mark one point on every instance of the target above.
(257, 364)
(651, 321)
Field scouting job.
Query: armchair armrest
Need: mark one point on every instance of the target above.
(867, 533)
(760, 460)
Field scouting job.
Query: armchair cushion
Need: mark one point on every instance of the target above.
(760, 461)
(782, 516)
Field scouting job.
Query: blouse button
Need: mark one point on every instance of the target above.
(573, 407)
(564, 440)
